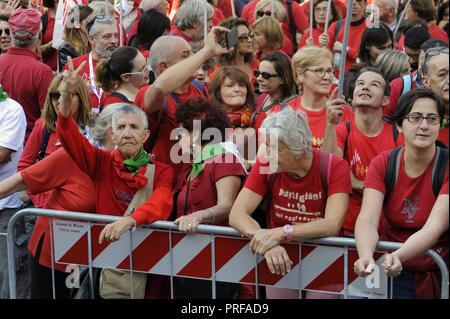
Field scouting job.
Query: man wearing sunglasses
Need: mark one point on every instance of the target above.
(5, 35)
(24, 76)
(103, 37)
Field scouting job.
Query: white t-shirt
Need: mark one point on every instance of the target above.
(12, 134)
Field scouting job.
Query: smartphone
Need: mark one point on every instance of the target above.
(232, 38)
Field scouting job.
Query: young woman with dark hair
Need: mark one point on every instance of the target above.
(374, 42)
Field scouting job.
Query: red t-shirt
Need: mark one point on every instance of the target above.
(217, 17)
(202, 190)
(396, 93)
(410, 202)
(443, 135)
(354, 39)
(70, 190)
(299, 200)
(86, 75)
(163, 143)
(31, 151)
(361, 149)
(316, 34)
(51, 58)
(317, 120)
(26, 79)
(113, 194)
(437, 33)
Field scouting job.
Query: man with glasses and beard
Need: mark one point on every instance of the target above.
(103, 38)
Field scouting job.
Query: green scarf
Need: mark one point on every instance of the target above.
(3, 95)
(134, 165)
(208, 151)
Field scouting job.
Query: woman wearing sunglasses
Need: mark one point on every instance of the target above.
(5, 35)
(318, 37)
(122, 75)
(276, 85)
(313, 73)
(415, 207)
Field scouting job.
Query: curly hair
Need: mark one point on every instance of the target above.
(210, 113)
(228, 58)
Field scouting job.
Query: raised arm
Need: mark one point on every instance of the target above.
(335, 110)
(178, 74)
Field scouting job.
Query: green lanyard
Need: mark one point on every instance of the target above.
(3, 95)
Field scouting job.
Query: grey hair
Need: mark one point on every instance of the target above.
(125, 108)
(392, 4)
(96, 27)
(149, 4)
(191, 12)
(392, 63)
(162, 51)
(27, 42)
(291, 128)
(100, 7)
(103, 122)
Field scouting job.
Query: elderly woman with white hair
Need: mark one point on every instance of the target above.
(306, 190)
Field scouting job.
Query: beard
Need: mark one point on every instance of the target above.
(104, 52)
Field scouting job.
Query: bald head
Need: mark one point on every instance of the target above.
(166, 51)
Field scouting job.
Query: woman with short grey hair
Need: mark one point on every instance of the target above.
(305, 190)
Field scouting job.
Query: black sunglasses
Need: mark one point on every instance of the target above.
(265, 75)
(263, 13)
(54, 97)
(5, 31)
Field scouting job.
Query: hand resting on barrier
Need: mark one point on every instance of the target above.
(265, 239)
(392, 265)
(278, 260)
(114, 231)
(364, 266)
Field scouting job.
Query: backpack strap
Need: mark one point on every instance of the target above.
(121, 96)
(393, 166)
(40, 156)
(338, 28)
(292, 28)
(439, 166)
(406, 83)
(325, 169)
(199, 86)
(347, 125)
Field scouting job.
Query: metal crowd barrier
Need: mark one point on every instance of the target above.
(213, 231)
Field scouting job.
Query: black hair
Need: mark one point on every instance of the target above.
(374, 37)
(387, 87)
(108, 72)
(408, 99)
(282, 65)
(441, 10)
(333, 9)
(152, 25)
(416, 36)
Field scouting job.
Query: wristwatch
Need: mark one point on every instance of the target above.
(288, 231)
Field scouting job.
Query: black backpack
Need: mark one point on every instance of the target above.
(394, 159)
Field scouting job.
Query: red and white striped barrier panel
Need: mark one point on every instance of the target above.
(318, 268)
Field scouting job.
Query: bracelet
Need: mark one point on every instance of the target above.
(212, 210)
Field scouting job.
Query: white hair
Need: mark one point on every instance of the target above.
(191, 13)
(391, 4)
(162, 51)
(149, 4)
(103, 122)
(291, 128)
(125, 108)
(97, 25)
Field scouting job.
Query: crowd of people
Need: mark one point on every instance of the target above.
(255, 136)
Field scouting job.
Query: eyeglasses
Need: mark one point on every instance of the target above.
(5, 31)
(54, 97)
(263, 13)
(321, 71)
(417, 118)
(101, 17)
(246, 37)
(144, 72)
(265, 75)
(435, 51)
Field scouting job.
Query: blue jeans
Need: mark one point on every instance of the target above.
(404, 286)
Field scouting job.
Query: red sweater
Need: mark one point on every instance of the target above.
(113, 195)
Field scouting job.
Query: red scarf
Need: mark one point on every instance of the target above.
(135, 182)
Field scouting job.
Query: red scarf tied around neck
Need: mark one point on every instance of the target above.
(135, 182)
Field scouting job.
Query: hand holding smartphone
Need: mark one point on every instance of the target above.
(231, 38)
